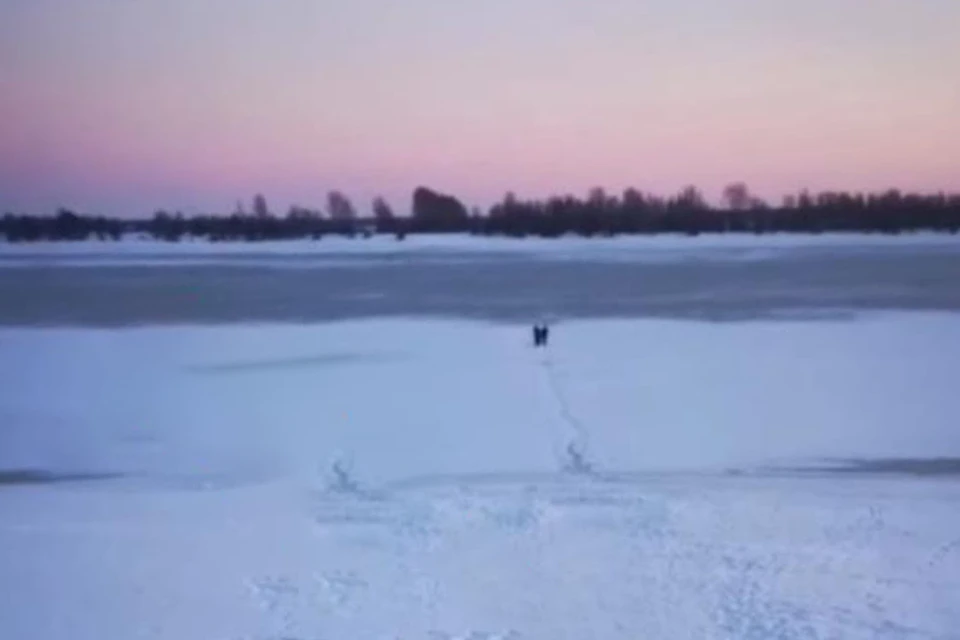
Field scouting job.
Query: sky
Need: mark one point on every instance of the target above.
(123, 107)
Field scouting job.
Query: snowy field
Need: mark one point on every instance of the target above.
(441, 479)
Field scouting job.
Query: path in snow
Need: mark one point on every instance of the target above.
(576, 444)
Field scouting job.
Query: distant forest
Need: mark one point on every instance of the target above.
(599, 214)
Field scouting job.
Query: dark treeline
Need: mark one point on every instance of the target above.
(66, 225)
(688, 213)
(632, 212)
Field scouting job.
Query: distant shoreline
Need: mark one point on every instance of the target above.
(413, 237)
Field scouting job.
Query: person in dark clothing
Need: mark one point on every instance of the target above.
(540, 335)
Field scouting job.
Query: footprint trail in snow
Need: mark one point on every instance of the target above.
(574, 457)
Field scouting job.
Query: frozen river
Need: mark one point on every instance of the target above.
(717, 279)
(236, 443)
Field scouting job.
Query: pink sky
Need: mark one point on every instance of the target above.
(126, 107)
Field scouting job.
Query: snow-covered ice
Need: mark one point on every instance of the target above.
(464, 248)
(428, 479)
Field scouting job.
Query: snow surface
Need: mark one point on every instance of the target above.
(418, 479)
(343, 251)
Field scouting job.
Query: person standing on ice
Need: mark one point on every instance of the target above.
(540, 335)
